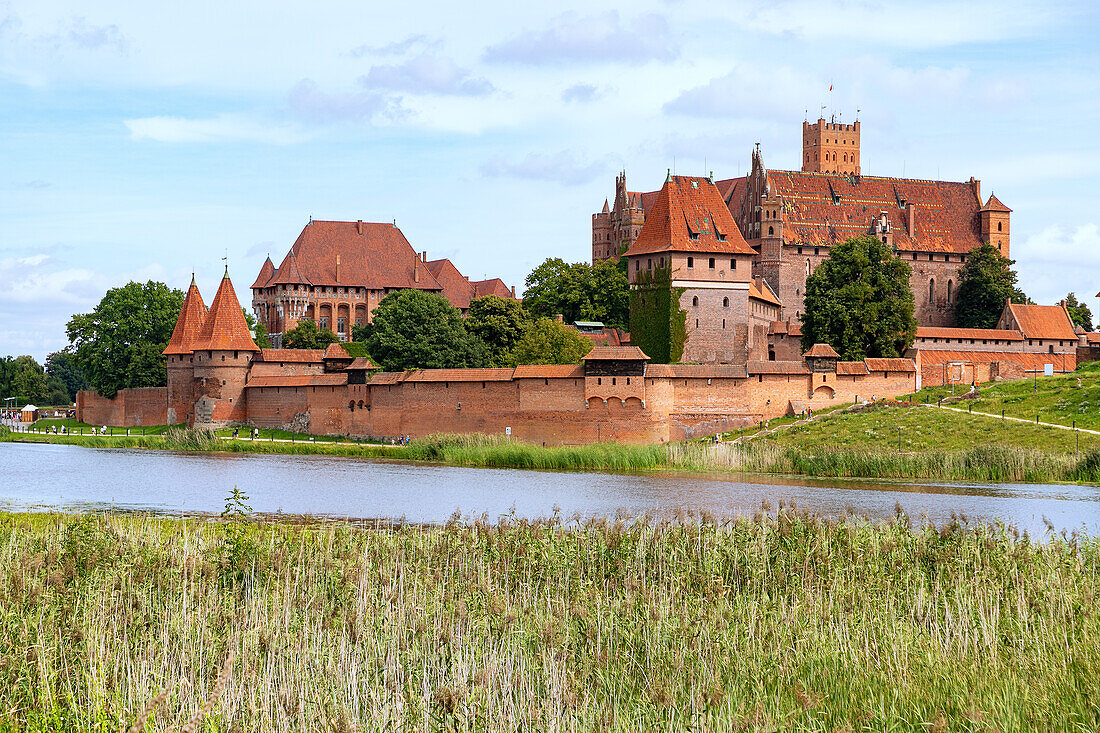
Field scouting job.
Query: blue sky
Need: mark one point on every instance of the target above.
(139, 140)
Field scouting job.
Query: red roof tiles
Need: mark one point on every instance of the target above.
(615, 353)
(291, 355)
(1049, 322)
(689, 215)
(267, 271)
(224, 328)
(189, 323)
(494, 286)
(695, 371)
(759, 289)
(456, 287)
(990, 334)
(937, 358)
(822, 351)
(851, 369)
(303, 380)
(336, 351)
(891, 365)
(777, 367)
(994, 204)
(548, 371)
(460, 375)
(361, 363)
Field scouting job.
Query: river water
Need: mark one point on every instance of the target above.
(70, 478)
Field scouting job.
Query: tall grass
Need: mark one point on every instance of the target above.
(783, 622)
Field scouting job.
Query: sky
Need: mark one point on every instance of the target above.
(149, 140)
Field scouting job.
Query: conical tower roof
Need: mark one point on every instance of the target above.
(267, 271)
(189, 323)
(994, 204)
(225, 328)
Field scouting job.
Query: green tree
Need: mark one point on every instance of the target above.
(548, 342)
(259, 330)
(579, 292)
(859, 301)
(1079, 313)
(307, 335)
(986, 281)
(414, 329)
(28, 380)
(360, 333)
(118, 344)
(499, 323)
(60, 365)
(56, 393)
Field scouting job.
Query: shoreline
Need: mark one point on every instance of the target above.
(989, 464)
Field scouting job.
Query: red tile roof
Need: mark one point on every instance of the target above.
(689, 215)
(1049, 322)
(1092, 338)
(759, 289)
(890, 365)
(994, 204)
(781, 328)
(777, 367)
(456, 287)
(224, 328)
(303, 380)
(695, 371)
(992, 334)
(851, 368)
(189, 323)
(549, 371)
(378, 258)
(826, 209)
(494, 286)
(291, 355)
(615, 353)
(267, 271)
(336, 351)
(360, 363)
(937, 358)
(383, 378)
(822, 351)
(460, 375)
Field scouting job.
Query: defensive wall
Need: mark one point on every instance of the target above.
(129, 408)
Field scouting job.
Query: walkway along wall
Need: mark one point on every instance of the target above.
(129, 408)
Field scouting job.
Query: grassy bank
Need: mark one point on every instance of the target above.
(782, 622)
(808, 453)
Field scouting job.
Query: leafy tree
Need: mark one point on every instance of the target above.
(579, 292)
(28, 380)
(56, 393)
(986, 281)
(118, 344)
(307, 335)
(360, 333)
(1079, 313)
(499, 323)
(859, 301)
(61, 366)
(414, 329)
(259, 330)
(548, 342)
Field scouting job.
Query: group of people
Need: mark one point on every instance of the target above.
(253, 433)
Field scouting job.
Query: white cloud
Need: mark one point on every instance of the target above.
(574, 38)
(397, 48)
(82, 34)
(307, 100)
(218, 129)
(582, 93)
(426, 74)
(563, 167)
(1060, 259)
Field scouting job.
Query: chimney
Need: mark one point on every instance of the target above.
(338, 267)
(977, 186)
(513, 291)
(416, 270)
(359, 227)
(424, 256)
(911, 218)
(559, 318)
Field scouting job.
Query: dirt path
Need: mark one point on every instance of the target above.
(1014, 419)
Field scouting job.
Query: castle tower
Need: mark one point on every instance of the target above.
(615, 228)
(830, 147)
(180, 355)
(994, 224)
(690, 272)
(223, 353)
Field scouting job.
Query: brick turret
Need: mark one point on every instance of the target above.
(830, 147)
(179, 354)
(994, 223)
(223, 352)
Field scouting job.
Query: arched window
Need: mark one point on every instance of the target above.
(695, 301)
(999, 226)
(950, 289)
(771, 231)
(845, 157)
(931, 290)
(725, 302)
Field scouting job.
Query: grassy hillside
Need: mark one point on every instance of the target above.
(783, 622)
(925, 429)
(1056, 399)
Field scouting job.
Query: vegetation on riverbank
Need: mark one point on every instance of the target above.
(784, 621)
(978, 463)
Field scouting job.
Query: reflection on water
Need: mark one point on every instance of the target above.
(73, 479)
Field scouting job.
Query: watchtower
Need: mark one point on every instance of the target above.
(223, 354)
(830, 147)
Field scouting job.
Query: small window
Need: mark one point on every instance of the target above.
(999, 225)
(725, 302)
(695, 301)
(771, 231)
(599, 380)
(691, 262)
(733, 263)
(712, 263)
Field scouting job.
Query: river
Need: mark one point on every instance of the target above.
(70, 478)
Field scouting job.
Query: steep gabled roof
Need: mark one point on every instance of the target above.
(189, 323)
(994, 204)
(759, 289)
(456, 288)
(1049, 322)
(379, 257)
(224, 328)
(689, 215)
(822, 351)
(267, 271)
(495, 286)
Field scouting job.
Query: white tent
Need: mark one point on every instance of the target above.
(29, 408)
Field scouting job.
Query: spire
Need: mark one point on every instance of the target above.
(189, 323)
(267, 271)
(224, 328)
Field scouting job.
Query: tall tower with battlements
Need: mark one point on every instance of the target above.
(830, 147)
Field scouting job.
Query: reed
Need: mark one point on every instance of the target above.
(783, 621)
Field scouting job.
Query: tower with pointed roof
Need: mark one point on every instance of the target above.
(222, 354)
(614, 229)
(179, 354)
(690, 273)
(994, 223)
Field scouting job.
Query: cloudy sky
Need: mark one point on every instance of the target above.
(144, 140)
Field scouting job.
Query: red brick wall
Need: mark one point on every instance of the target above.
(129, 408)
